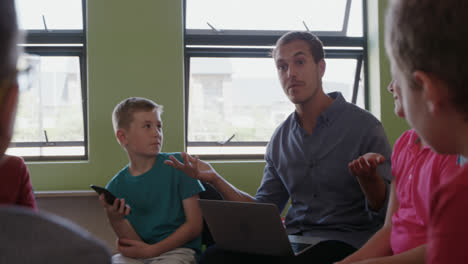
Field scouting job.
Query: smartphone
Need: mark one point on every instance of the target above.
(110, 198)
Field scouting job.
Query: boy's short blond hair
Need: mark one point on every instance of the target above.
(122, 116)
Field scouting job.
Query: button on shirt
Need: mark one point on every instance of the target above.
(312, 170)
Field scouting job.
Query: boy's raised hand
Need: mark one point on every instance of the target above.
(117, 211)
(365, 167)
(193, 167)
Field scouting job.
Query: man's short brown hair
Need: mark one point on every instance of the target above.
(122, 116)
(431, 36)
(315, 44)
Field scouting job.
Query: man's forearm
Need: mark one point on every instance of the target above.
(375, 192)
(229, 192)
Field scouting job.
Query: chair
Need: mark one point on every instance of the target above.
(210, 193)
(30, 237)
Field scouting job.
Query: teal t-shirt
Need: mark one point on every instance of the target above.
(155, 198)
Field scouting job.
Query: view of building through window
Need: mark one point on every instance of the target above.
(50, 107)
(243, 97)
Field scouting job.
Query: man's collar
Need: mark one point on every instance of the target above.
(334, 110)
(331, 113)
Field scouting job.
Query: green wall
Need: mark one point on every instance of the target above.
(381, 102)
(135, 48)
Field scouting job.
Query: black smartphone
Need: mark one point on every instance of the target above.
(110, 198)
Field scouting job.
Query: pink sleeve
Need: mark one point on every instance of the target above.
(400, 143)
(448, 168)
(448, 223)
(26, 197)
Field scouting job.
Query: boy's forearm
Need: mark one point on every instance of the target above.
(416, 255)
(180, 237)
(123, 229)
(413, 256)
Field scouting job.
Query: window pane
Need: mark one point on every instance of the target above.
(46, 151)
(355, 27)
(243, 96)
(226, 150)
(268, 14)
(58, 14)
(240, 96)
(50, 103)
(361, 91)
(339, 76)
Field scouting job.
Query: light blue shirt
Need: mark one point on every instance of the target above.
(312, 170)
(156, 199)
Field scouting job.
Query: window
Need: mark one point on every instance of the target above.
(233, 95)
(51, 119)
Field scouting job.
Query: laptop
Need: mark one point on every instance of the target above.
(251, 228)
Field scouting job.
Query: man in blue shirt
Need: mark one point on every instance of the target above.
(307, 161)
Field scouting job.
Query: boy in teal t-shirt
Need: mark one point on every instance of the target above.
(157, 217)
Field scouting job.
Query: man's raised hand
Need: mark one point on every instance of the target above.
(193, 167)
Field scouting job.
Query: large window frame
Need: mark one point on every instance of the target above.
(258, 44)
(60, 43)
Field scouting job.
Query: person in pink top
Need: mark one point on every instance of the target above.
(16, 188)
(11, 187)
(417, 171)
(426, 43)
